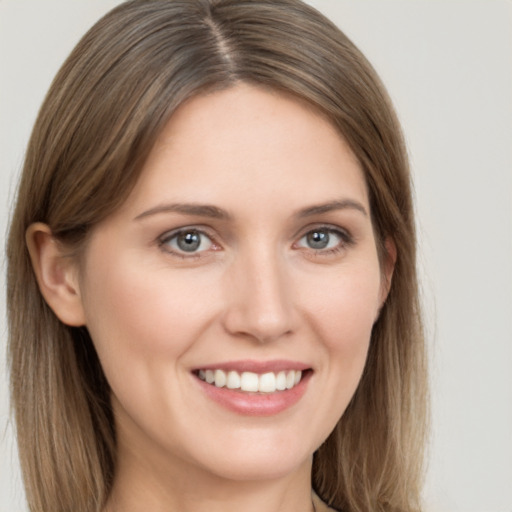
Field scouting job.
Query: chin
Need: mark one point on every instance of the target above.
(250, 469)
(253, 457)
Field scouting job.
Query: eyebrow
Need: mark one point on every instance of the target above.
(199, 210)
(343, 204)
(214, 212)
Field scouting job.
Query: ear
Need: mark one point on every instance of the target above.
(388, 267)
(56, 274)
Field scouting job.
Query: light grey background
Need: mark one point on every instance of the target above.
(448, 67)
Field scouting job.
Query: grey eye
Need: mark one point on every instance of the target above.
(318, 239)
(188, 241)
(323, 238)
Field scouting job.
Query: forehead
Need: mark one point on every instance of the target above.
(251, 144)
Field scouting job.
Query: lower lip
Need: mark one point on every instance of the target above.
(256, 404)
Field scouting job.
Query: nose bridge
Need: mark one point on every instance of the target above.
(259, 293)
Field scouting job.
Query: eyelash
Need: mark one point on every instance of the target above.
(345, 240)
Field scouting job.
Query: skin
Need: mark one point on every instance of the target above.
(255, 290)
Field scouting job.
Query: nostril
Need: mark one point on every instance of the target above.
(261, 330)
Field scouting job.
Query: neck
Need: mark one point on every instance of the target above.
(166, 486)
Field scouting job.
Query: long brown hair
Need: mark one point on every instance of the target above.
(95, 129)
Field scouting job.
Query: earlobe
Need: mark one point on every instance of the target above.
(56, 275)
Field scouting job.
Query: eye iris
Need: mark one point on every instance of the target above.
(318, 239)
(189, 241)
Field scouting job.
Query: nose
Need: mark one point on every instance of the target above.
(259, 299)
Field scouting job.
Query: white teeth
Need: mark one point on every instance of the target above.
(249, 381)
(269, 382)
(220, 378)
(233, 381)
(281, 381)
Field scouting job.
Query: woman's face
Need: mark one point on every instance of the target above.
(245, 254)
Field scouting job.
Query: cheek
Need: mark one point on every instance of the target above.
(138, 313)
(342, 315)
(345, 307)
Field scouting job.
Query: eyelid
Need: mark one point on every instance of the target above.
(318, 226)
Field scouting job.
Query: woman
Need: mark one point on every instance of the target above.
(211, 283)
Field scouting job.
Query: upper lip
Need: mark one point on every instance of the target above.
(250, 365)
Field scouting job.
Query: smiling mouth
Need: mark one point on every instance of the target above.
(251, 382)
